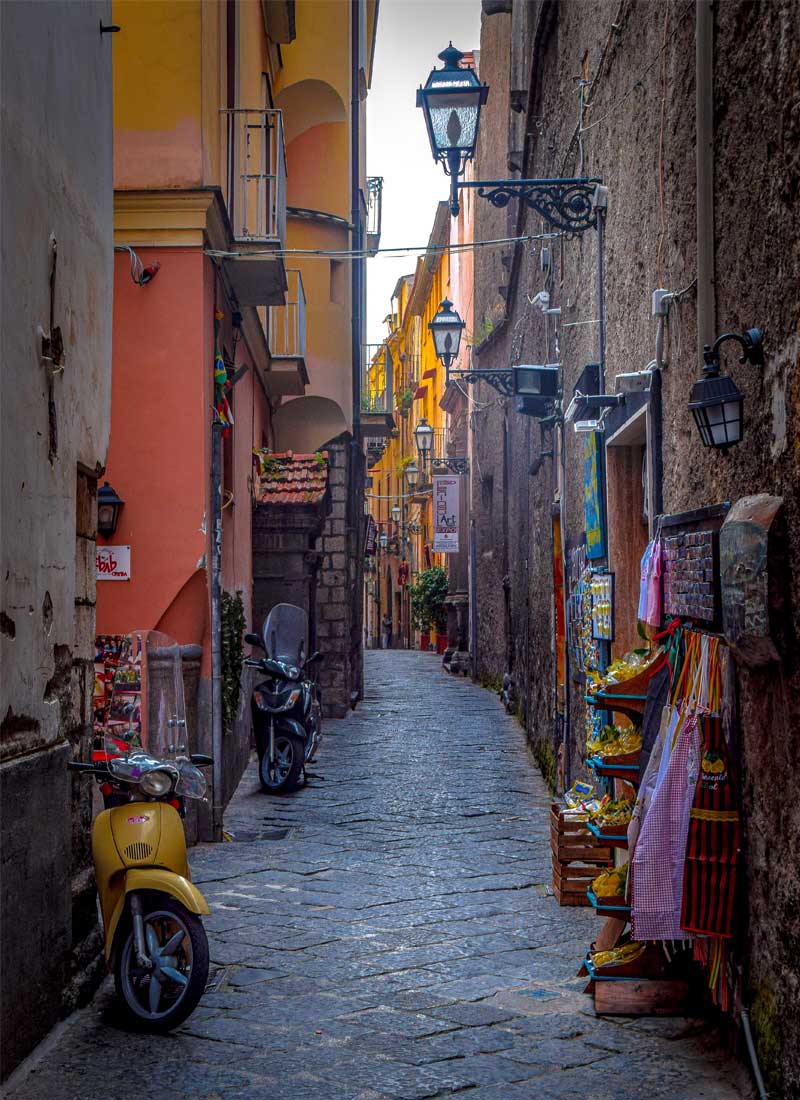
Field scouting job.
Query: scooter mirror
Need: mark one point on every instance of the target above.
(253, 639)
(315, 656)
(201, 760)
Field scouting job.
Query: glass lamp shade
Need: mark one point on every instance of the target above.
(451, 102)
(536, 381)
(717, 406)
(412, 474)
(396, 511)
(423, 434)
(383, 540)
(108, 509)
(446, 328)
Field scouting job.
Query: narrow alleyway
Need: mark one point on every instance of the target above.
(388, 932)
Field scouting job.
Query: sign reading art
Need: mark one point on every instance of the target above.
(445, 514)
(113, 563)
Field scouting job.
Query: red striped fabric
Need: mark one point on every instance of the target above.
(712, 849)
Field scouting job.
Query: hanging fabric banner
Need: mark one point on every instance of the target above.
(445, 513)
(371, 538)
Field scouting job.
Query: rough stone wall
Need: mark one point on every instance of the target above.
(56, 152)
(641, 141)
(339, 606)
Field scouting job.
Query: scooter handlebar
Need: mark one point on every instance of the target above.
(80, 766)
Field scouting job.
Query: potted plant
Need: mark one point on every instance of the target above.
(428, 594)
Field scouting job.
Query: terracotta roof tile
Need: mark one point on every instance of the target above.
(288, 478)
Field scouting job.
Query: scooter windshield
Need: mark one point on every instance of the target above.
(286, 634)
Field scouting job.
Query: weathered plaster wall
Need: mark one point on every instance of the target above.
(640, 138)
(56, 156)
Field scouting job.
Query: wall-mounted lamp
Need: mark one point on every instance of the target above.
(396, 512)
(423, 436)
(446, 328)
(540, 380)
(716, 402)
(412, 474)
(109, 506)
(383, 540)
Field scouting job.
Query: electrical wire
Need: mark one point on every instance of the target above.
(400, 250)
(637, 83)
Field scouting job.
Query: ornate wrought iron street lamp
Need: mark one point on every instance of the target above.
(109, 506)
(716, 402)
(412, 474)
(397, 511)
(451, 102)
(446, 328)
(423, 435)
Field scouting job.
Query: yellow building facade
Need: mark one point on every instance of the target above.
(406, 362)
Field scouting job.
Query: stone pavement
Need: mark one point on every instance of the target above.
(387, 932)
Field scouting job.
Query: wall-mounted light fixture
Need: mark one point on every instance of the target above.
(716, 402)
(446, 328)
(583, 427)
(383, 540)
(109, 506)
(412, 474)
(397, 511)
(451, 102)
(423, 436)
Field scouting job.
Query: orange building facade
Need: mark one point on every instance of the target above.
(232, 144)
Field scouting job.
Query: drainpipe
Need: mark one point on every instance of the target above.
(355, 212)
(704, 92)
(216, 628)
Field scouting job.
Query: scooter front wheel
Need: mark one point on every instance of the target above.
(282, 773)
(161, 997)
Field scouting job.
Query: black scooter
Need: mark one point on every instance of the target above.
(286, 707)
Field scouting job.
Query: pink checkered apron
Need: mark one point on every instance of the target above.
(658, 861)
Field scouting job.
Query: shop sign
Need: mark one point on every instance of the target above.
(371, 538)
(593, 497)
(445, 513)
(113, 563)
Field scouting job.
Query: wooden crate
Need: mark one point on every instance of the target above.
(571, 841)
(644, 998)
(570, 881)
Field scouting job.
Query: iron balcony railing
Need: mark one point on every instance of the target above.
(376, 379)
(256, 174)
(374, 213)
(286, 325)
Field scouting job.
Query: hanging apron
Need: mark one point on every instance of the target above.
(712, 850)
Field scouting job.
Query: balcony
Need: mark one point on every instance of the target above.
(377, 396)
(286, 337)
(256, 205)
(374, 212)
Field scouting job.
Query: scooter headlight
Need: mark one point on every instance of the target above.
(157, 782)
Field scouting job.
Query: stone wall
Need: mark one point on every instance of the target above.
(639, 136)
(338, 602)
(57, 228)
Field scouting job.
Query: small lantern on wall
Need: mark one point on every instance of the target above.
(383, 540)
(396, 512)
(412, 474)
(716, 403)
(446, 328)
(109, 506)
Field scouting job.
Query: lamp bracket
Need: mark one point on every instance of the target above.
(752, 345)
(454, 465)
(566, 204)
(501, 380)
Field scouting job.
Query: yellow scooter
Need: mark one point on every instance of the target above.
(154, 939)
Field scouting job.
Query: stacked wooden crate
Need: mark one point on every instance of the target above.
(578, 856)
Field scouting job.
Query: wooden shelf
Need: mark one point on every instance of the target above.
(629, 772)
(605, 909)
(615, 840)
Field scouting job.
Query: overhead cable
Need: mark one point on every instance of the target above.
(344, 253)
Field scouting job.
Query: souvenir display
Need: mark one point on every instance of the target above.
(601, 587)
(689, 575)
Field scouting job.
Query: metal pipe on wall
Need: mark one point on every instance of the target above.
(216, 628)
(704, 165)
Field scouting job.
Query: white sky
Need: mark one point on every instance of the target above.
(410, 35)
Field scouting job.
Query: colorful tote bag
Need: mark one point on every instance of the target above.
(712, 851)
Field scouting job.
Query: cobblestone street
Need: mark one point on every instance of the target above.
(388, 931)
